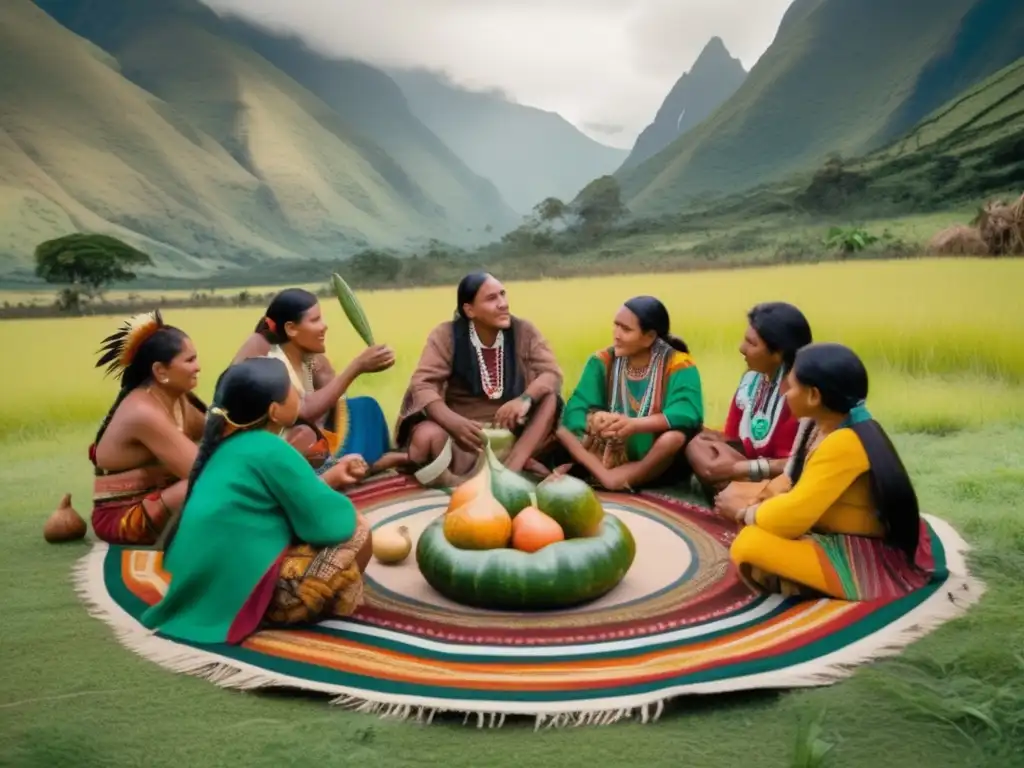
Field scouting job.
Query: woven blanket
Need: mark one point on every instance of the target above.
(681, 622)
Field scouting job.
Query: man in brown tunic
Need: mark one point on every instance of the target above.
(484, 367)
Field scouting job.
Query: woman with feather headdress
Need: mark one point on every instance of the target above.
(146, 445)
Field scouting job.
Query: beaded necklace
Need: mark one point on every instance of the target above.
(622, 399)
(493, 384)
(764, 404)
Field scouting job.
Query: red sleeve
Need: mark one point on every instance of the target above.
(785, 434)
(732, 421)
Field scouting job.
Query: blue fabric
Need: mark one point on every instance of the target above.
(367, 433)
(858, 414)
(367, 430)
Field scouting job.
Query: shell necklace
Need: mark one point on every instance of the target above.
(493, 385)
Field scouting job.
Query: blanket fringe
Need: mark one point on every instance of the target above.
(958, 594)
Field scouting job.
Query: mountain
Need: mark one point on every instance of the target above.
(713, 79)
(166, 129)
(373, 104)
(843, 76)
(528, 153)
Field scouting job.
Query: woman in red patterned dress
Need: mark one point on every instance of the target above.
(759, 428)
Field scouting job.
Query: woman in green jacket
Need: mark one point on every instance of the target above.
(262, 541)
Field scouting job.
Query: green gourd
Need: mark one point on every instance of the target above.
(560, 575)
(352, 308)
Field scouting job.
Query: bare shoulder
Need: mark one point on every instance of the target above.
(254, 346)
(139, 411)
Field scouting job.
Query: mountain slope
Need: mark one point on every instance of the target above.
(528, 153)
(841, 76)
(713, 79)
(311, 157)
(972, 145)
(94, 151)
(372, 103)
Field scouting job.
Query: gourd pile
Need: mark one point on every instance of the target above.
(505, 543)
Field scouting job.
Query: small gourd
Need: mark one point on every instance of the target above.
(572, 504)
(533, 530)
(65, 524)
(512, 490)
(480, 523)
(392, 545)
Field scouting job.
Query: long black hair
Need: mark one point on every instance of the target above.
(841, 378)
(162, 346)
(469, 287)
(782, 327)
(653, 316)
(241, 400)
(287, 307)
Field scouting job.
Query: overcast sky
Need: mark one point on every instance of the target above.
(604, 65)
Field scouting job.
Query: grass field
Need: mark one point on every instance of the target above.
(942, 340)
(937, 335)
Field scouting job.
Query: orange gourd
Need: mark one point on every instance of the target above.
(533, 530)
(480, 523)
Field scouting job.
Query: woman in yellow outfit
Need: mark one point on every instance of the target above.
(843, 522)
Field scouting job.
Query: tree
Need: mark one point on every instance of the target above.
(550, 209)
(599, 204)
(372, 266)
(87, 264)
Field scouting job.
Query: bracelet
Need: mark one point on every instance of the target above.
(748, 515)
(758, 469)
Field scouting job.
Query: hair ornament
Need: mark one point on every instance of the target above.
(230, 427)
(119, 349)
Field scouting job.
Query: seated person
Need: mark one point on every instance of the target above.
(145, 446)
(759, 430)
(484, 367)
(334, 430)
(636, 404)
(234, 558)
(849, 527)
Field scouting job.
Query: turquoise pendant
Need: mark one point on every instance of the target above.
(759, 427)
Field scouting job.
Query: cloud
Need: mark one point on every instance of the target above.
(596, 62)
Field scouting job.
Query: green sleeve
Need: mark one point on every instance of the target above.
(684, 400)
(589, 394)
(319, 515)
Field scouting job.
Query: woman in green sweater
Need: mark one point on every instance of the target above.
(262, 541)
(637, 403)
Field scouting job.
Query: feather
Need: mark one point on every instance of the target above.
(119, 348)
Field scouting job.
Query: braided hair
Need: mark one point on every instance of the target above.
(842, 380)
(241, 402)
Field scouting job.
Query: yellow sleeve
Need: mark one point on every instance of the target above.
(831, 469)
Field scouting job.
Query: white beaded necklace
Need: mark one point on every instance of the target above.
(494, 387)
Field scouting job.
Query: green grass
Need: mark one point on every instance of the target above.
(72, 695)
(942, 343)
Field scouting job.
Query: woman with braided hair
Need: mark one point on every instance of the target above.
(261, 541)
(846, 524)
(145, 446)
